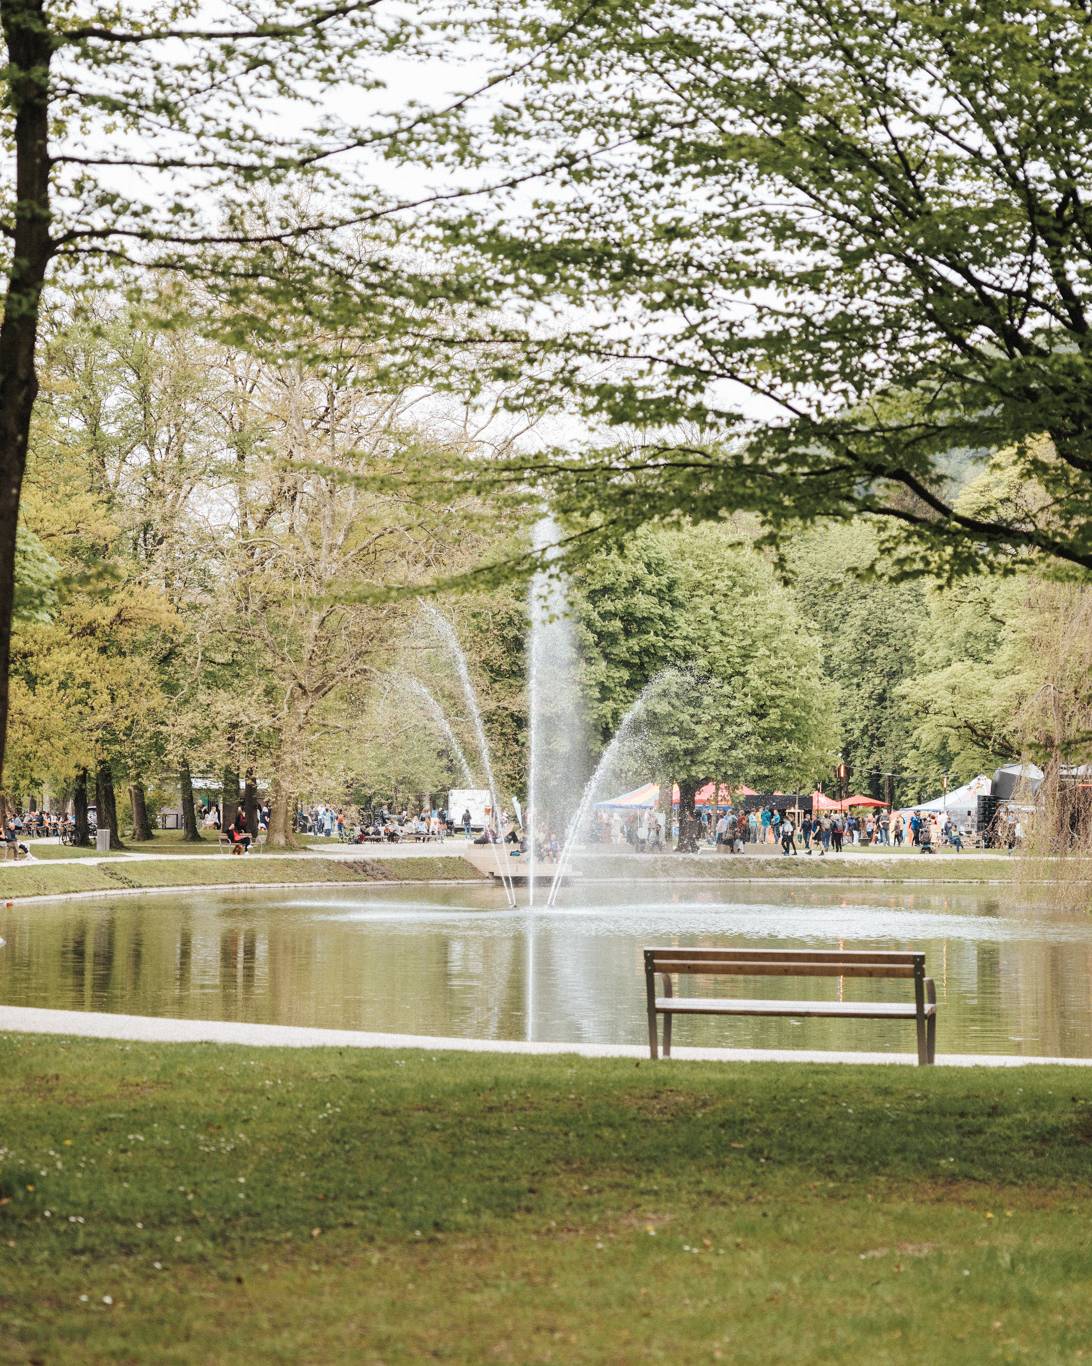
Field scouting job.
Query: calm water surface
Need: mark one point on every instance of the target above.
(452, 961)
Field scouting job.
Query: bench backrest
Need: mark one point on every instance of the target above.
(729, 962)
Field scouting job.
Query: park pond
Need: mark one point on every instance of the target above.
(1012, 975)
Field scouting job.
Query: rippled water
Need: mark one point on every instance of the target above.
(451, 961)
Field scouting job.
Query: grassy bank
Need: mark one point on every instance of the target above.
(902, 867)
(183, 1204)
(57, 878)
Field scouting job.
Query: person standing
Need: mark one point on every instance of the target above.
(915, 829)
(805, 831)
(766, 818)
(788, 832)
(466, 822)
(722, 830)
(836, 834)
(775, 826)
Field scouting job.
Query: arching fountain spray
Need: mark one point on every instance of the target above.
(618, 739)
(447, 635)
(444, 725)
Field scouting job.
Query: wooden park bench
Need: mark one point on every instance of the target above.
(724, 962)
(227, 844)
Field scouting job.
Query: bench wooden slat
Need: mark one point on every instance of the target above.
(756, 967)
(788, 955)
(731, 1005)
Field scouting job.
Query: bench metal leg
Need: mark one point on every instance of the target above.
(923, 1048)
(653, 1047)
(931, 1038)
(667, 1035)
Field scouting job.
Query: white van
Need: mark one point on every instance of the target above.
(472, 799)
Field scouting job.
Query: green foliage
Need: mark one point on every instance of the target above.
(869, 628)
(778, 270)
(36, 573)
(742, 696)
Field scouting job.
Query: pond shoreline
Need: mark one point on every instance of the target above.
(651, 881)
(158, 1029)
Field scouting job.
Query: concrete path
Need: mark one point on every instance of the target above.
(485, 858)
(152, 1029)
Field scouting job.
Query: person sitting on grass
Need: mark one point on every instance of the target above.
(238, 833)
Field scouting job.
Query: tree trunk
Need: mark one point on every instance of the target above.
(688, 835)
(190, 833)
(79, 808)
(282, 805)
(29, 49)
(229, 799)
(250, 802)
(142, 829)
(106, 814)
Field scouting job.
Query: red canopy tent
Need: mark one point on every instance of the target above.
(860, 801)
(821, 802)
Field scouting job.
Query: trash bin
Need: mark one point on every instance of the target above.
(102, 840)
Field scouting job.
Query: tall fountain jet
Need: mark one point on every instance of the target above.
(558, 758)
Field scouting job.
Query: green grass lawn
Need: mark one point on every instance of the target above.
(56, 878)
(898, 866)
(184, 1204)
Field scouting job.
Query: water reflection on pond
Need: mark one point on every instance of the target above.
(450, 961)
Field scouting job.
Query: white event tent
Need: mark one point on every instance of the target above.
(961, 804)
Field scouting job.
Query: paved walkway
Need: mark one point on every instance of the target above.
(487, 857)
(151, 1029)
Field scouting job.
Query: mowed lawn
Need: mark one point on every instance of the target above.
(198, 1204)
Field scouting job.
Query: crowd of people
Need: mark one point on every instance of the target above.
(376, 826)
(731, 830)
(793, 831)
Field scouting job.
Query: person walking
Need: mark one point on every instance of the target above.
(788, 831)
(824, 833)
(466, 822)
(805, 831)
(836, 834)
(915, 829)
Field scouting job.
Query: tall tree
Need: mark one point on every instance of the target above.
(870, 631)
(740, 695)
(182, 137)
